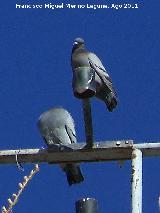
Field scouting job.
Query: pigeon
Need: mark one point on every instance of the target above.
(57, 128)
(90, 77)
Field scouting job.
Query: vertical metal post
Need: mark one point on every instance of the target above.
(88, 122)
(136, 181)
(87, 205)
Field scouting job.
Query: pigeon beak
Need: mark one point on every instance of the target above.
(75, 43)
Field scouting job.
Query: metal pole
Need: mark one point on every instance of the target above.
(87, 205)
(136, 181)
(88, 122)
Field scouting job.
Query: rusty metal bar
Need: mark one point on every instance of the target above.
(101, 151)
(136, 181)
(148, 149)
(106, 151)
(88, 122)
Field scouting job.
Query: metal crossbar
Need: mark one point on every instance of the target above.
(101, 151)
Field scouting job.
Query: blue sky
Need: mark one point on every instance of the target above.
(35, 75)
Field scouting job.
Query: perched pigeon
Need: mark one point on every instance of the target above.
(57, 127)
(90, 78)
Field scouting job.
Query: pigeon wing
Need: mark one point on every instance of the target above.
(71, 134)
(97, 62)
(101, 72)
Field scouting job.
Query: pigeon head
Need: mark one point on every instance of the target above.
(78, 42)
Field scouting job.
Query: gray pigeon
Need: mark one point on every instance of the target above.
(57, 127)
(90, 78)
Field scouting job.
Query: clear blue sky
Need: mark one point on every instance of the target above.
(35, 75)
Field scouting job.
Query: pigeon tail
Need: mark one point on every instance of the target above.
(111, 101)
(74, 174)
